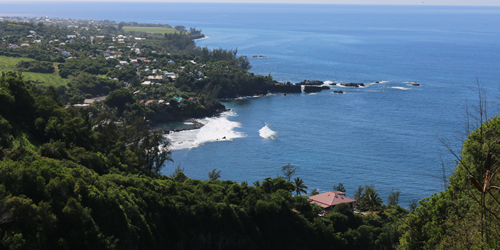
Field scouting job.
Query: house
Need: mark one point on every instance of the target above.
(65, 53)
(158, 77)
(328, 200)
(171, 75)
(71, 36)
(95, 100)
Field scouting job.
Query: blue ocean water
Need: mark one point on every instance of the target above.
(385, 134)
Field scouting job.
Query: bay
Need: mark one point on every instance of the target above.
(385, 134)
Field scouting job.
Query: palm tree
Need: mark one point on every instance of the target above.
(299, 186)
(370, 198)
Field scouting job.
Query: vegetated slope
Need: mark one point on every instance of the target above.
(75, 179)
(466, 215)
(10, 64)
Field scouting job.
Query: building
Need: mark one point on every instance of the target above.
(328, 200)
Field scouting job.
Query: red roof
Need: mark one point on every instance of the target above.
(330, 198)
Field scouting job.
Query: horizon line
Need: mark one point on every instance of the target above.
(277, 2)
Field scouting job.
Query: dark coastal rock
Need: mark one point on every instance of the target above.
(325, 87)
(415, 84)
(307, 82)
(338, 92)
(309, 89)
(197, 36)
(353, 85)
(285, 88)
(377, 82)
(333, 83)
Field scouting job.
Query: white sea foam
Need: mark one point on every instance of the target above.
(206, 37)
(378, 82)
(267, 133)
(401, 88)
(188, 123)
(214, 129)
(312, 94)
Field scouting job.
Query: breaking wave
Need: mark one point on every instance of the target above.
(214, 129)
(401, 88)
(267, 133)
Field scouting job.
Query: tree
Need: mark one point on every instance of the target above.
(314, 192)
(413, 205)
(358, 193)
(119, 98)
(256, 183)
(180, 28)
(370, 199)
(150, 146)
(214, 175)
(339, 187)
(288, 171)
(300, 187)
(177, 170)
(393, 198)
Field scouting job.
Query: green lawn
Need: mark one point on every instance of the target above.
(9, 64)
(149, 29)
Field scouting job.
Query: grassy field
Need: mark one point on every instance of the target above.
(9, 64)
(149, 29)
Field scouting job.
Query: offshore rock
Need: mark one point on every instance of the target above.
(307, 82)
(285, 88)
(354, 85)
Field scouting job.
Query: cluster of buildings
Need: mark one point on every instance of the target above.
(68, 22)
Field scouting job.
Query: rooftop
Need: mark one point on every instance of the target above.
(331, 198)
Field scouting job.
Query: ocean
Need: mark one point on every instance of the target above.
(386, 133)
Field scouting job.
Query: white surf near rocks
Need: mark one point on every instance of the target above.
(214, 129)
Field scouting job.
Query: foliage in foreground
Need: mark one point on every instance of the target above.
(465, 215)
(72, 179)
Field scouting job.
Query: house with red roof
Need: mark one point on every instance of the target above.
(328, 200)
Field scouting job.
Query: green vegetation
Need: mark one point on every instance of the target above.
(466, 214)
(160, 30)
(79, 179)
(10, 63)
